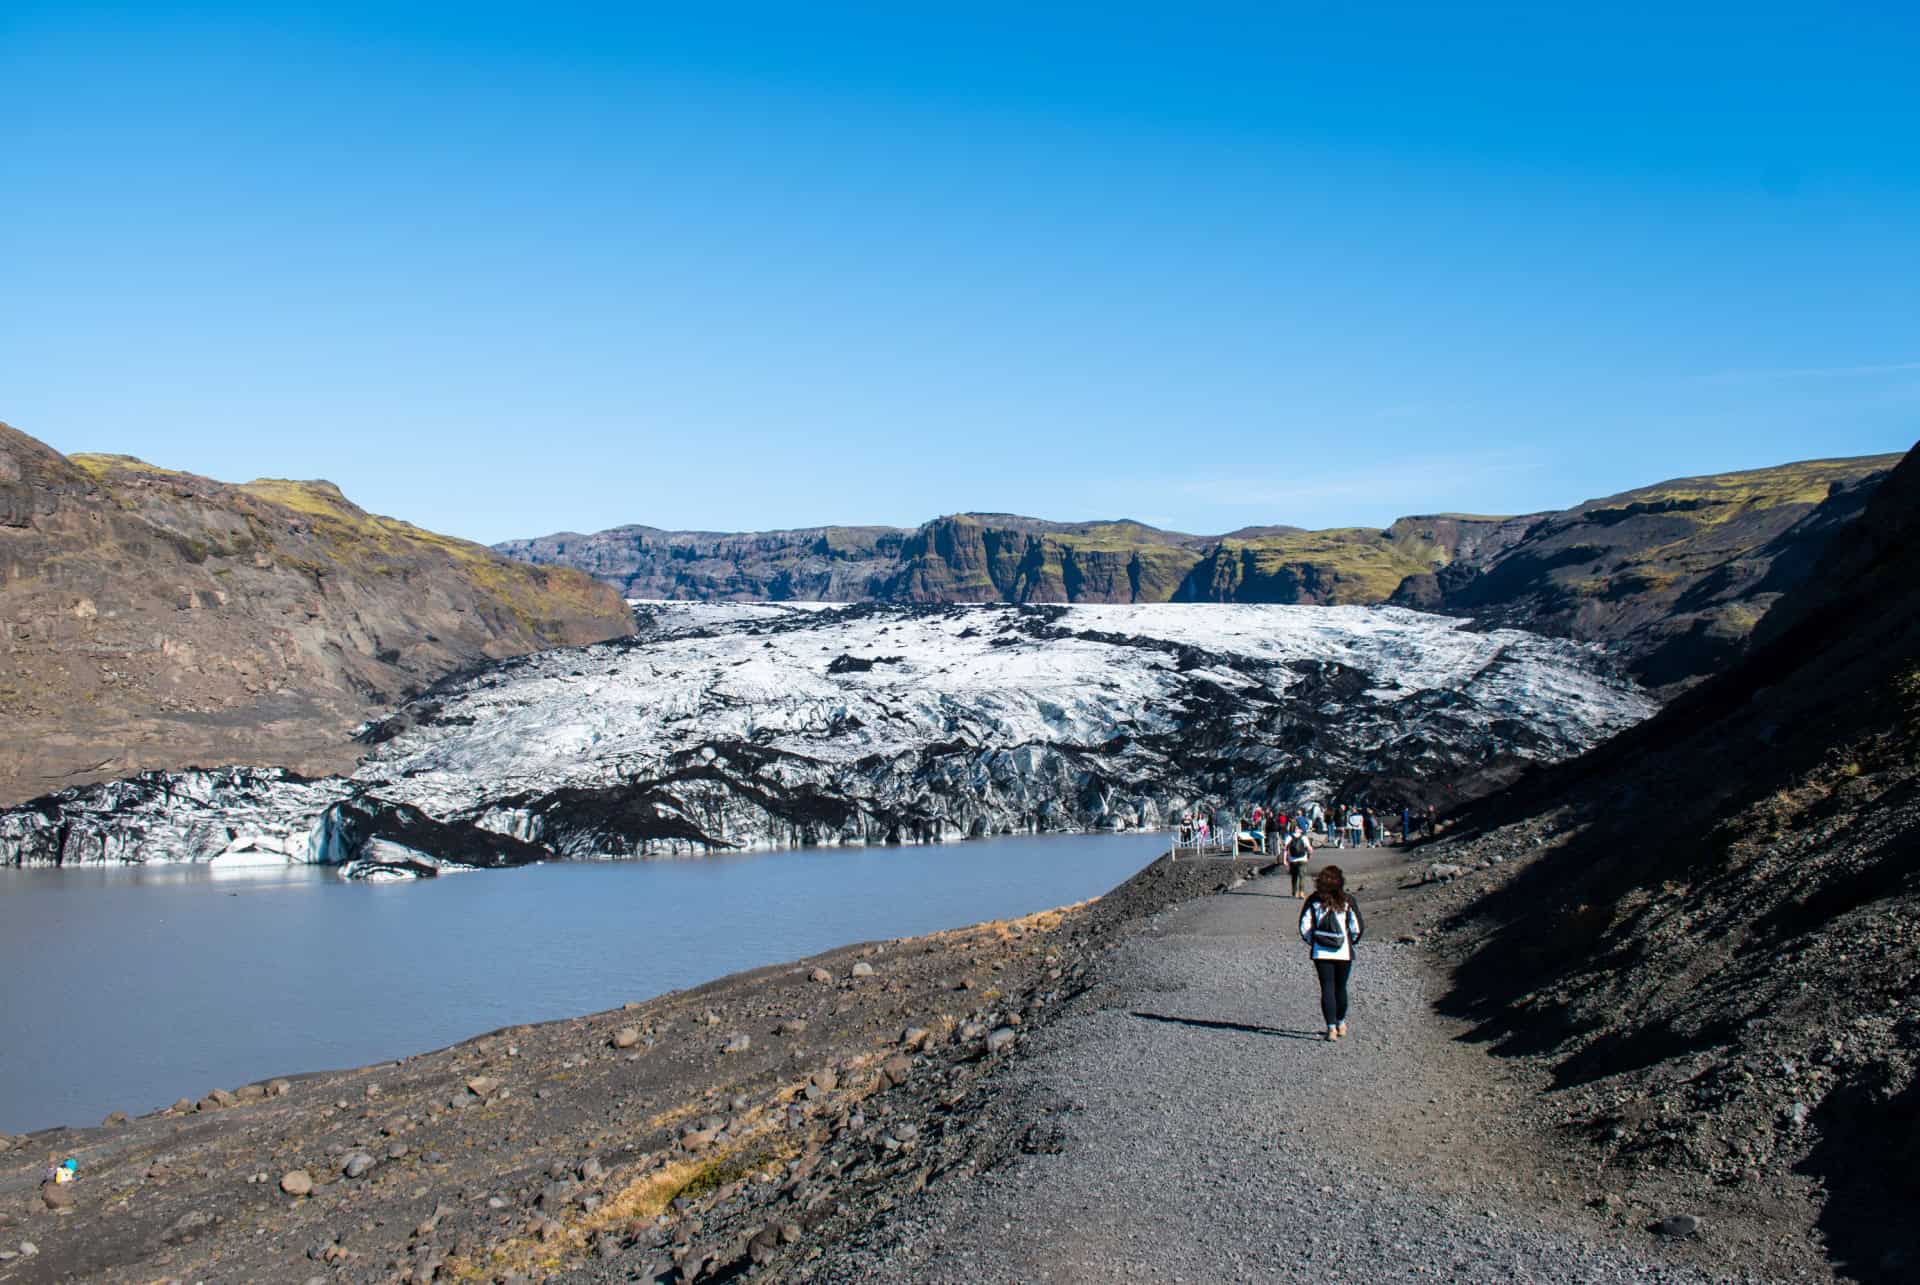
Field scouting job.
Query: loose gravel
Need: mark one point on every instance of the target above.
(1189, 1123)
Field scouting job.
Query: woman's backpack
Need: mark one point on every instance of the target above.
(1329, 929)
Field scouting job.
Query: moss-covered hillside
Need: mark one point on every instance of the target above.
(153, 618)
(1677, 573)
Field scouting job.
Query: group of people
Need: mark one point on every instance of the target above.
(1344, 825)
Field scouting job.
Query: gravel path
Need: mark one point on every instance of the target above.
(1187, 1124)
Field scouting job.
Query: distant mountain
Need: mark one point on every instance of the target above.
(155, 619)
(1674, 574)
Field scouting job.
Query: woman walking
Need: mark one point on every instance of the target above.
(1331, 925)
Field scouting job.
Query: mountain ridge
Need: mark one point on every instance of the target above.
(1674, 574)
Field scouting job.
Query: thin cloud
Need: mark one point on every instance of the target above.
(1807, 372)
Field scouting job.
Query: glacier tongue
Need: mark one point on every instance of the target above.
(756, 725)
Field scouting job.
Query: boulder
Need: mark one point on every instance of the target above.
(297, 1182)
(626, 1037)
(1678, 1226)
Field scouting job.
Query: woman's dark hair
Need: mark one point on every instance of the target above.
(1331, 885)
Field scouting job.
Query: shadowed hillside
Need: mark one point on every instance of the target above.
(155, 619)
(1720, 952)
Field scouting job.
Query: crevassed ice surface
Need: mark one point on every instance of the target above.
(753, 725)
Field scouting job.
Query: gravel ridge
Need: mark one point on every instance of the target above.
(1187, 1123)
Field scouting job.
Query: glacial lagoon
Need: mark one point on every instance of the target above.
(128, 987)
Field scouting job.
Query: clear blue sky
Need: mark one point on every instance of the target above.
(503, 270)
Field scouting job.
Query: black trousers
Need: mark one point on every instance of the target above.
(1333, 988)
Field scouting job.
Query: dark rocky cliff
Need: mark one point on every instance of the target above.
(155, 619)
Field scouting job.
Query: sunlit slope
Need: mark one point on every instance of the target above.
(154, 618)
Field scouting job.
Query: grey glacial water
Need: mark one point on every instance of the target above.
(128, 987)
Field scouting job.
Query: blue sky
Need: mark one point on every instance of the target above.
(503, 270)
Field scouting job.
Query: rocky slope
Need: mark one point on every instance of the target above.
(155, 619)
(1674, 574)
(741, 725)
(1719, 951)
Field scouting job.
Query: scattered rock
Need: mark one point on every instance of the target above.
(861, 969)
(189, 1224)
(278, 1088)
(1001, 1038)
(297, 1182)
(820, 975)
(591, 1170)
(626, 1037)
(1678, 1226)
(825, 1080)
(792, 1026)
(357, 1164)
(483, 1086)
(896, 1069)
(57, 1195)
(738, 1044)
(113, 1121)
(916, 1037)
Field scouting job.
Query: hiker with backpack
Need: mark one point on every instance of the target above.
(1331, 925)
(1299, 852)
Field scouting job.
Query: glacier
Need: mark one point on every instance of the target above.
(733, 726)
